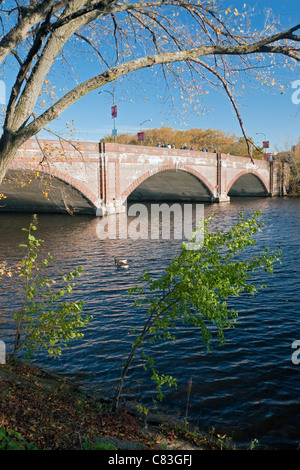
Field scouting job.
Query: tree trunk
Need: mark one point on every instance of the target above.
(8, 150)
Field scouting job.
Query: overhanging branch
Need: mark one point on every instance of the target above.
(261, 46)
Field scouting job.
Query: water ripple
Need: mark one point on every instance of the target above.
(247, 388)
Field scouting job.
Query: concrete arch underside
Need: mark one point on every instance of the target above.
(248, 184)
(172, 185)
(33, 190)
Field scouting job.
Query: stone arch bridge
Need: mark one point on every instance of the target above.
(98, 178)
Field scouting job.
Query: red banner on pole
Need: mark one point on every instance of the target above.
(141, 136)
(266, 144)
(114, 111)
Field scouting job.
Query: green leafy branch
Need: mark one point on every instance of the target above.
(45, 320)
(195, 287)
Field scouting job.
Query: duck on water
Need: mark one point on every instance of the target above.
(121, 263)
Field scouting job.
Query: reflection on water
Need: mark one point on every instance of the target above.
(248, 388)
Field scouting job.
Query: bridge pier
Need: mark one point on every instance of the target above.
(222, 198)
(107, 209)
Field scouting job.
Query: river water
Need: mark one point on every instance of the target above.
(247, 389)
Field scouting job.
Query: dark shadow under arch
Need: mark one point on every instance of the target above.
(248, 185)
(35, 191)
(172, 185)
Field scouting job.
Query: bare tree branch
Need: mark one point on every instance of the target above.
(31, 15)
(126, 37)
(230, 95)
(123, 69)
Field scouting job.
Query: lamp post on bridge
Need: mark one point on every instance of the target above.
(265, 144)
(114, 112)
(141, 135)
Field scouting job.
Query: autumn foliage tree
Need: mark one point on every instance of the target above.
(198, 139)
(292, 157)
(190, 44)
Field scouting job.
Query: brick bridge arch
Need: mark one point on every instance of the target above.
(261, 179)
(89, 199)
(165, 168)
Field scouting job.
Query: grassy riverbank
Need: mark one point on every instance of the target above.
(42, 412)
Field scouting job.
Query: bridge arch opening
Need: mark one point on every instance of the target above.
(171, 185)
(35, 191)
(248, 185)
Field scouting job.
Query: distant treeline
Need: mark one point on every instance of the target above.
(197, 139)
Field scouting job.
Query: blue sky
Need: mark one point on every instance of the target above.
(266, 112)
